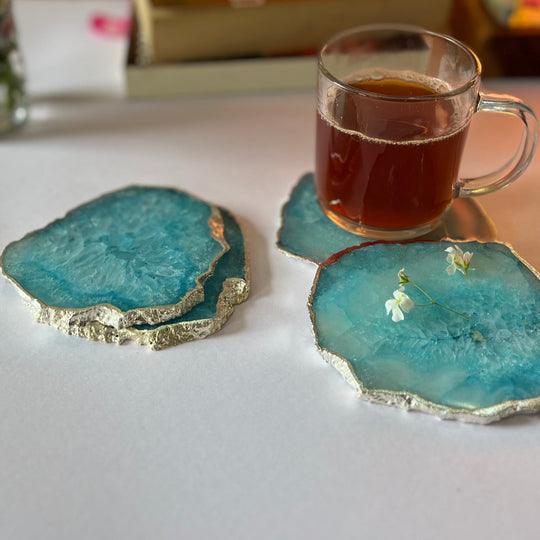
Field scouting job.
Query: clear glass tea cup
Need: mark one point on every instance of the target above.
(394, 107)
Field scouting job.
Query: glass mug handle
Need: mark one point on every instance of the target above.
(502, 103)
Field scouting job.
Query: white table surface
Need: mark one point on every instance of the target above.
(248, 434)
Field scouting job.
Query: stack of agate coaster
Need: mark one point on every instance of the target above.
(156, 266)
(479, 369)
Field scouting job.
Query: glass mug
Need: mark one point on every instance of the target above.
(394, 106)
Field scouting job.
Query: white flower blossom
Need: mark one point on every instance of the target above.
(403, 278)
(399, 304)
(457, 260)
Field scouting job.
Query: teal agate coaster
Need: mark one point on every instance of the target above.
(228, 286)
(140, 255)
(480, 369)
(307, 233)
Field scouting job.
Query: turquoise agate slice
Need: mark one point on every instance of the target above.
(140, 254)
(226, 287)
(481, 369)
(305, 230)
(307, 233)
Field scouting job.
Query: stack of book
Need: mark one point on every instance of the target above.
(194, 47)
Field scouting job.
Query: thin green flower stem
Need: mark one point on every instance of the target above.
(435, 302)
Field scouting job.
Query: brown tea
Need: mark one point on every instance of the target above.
(402, 175)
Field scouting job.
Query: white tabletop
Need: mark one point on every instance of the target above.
(247, 434)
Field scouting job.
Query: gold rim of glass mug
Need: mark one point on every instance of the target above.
(486, 101)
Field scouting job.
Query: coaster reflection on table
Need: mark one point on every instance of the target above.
(307, 233)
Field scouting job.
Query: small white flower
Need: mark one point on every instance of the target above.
(457, 260)
(397, 305)
(403, 278)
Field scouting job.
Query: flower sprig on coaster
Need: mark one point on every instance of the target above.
(402, 303)
(457, 260)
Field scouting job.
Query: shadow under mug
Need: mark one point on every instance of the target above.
(387, 162)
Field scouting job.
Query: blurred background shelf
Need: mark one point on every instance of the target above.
(504, 33)
(205, 47)
(187, 47)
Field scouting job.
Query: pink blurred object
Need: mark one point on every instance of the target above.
(108, 26)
